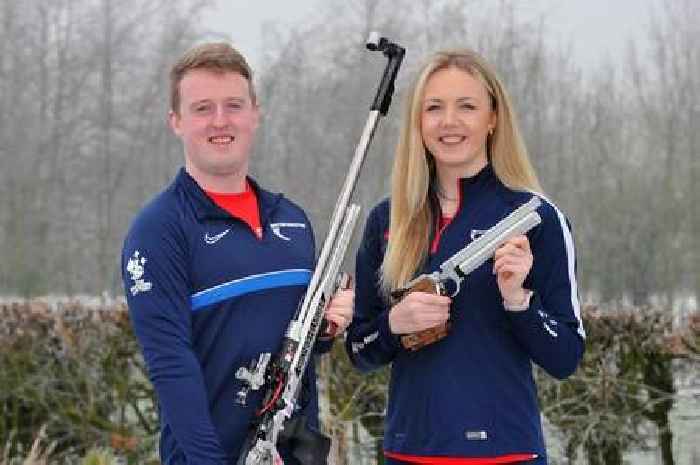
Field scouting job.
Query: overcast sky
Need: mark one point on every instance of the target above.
(596, 28)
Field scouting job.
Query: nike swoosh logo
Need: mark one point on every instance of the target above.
(214, 239)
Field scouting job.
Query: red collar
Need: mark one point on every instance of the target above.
(242, 205)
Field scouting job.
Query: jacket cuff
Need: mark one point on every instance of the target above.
(388, 339)
(528, 316)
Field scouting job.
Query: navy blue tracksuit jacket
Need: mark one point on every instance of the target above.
(472, 394)
(205, 297)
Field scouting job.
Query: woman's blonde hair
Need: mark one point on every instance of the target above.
(414, 206)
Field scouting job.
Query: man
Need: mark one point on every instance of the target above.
(214, 267)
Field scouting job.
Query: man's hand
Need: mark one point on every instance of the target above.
(339, 311)
(418, 311)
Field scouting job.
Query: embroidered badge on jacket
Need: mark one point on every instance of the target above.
(136, 268)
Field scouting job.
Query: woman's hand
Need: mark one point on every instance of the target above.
(512, 263)
(418, 311)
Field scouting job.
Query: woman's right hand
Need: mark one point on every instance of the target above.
(418, 311)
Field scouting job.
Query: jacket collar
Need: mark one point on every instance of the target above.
(480, 180)
(205, 208)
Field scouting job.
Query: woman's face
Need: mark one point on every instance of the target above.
(455, 120)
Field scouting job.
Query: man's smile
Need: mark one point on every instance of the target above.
(221, 140)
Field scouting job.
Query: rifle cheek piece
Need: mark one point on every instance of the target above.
(395, 54)
(374, 42)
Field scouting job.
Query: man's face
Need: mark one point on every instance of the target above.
(217, 123)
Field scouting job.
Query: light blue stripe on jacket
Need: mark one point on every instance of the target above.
(253, 283)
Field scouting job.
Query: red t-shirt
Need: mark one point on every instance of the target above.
(419, 459)
(442, 224)
(243, 205)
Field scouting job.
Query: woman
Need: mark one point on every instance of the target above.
(460, 167)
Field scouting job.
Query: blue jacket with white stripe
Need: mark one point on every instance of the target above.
(472, 394)
(205, 297)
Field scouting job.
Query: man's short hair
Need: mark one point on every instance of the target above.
(218, 57)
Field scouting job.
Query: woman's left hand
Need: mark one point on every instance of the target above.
(512, 263)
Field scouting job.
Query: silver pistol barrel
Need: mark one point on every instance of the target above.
(475, 254)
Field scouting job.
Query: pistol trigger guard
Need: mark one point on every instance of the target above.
(456, 281)
(453, 276)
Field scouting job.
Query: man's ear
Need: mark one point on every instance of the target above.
(258, 114)
(174, 122)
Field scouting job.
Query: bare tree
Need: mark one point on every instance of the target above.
(78, 159)
(666, 83)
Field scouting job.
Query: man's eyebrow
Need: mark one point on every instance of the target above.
(225, 99)
(198, 102)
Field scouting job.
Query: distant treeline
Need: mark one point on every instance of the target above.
(83, 104)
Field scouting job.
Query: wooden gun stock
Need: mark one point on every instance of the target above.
(415, 341)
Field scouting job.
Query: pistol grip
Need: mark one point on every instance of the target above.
(420, 339)
(426, 337)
